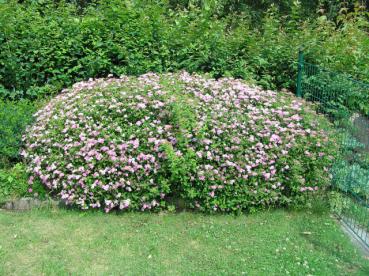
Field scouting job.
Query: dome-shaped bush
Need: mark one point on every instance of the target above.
(128, 143)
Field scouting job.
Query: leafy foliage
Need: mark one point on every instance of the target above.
(47, 45)
(351, 178)
(336, 93)
(14, 184)
(14, 117)
(350, 171)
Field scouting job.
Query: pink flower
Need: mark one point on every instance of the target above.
(141, 106)
(207, 141)
(266, 175)
(135, 143)
(275, 138)
(124, 204)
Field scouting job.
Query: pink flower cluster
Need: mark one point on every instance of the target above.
(100, 144)
(260, 147)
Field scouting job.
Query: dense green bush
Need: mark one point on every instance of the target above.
(351, 177)
(46, 45)
(131, 143)
(350, 171)
(14, 184)
(14, 117)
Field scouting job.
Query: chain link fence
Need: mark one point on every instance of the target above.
(345, 102)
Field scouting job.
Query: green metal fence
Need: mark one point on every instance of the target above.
(344, 101)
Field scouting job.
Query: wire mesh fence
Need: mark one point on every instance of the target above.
(345, 102)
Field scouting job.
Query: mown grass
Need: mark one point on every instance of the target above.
(66, 242)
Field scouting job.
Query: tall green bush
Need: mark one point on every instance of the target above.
(47, 45)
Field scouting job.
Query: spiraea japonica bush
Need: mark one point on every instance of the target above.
(132, 142)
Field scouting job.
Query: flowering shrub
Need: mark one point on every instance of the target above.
(129, 143)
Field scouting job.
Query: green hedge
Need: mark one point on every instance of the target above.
(46, 46)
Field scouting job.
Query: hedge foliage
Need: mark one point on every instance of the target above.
(130, 143)
(47, 45)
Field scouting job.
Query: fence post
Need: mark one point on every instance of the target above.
(300, 67)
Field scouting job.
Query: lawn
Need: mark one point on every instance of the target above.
(65, 242)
